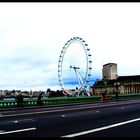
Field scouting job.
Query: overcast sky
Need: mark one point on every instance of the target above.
(32, 36)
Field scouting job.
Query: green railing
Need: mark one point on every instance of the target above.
(49, 101)
(64, 100)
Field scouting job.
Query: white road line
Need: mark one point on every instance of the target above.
(21, 130)
(101, 128)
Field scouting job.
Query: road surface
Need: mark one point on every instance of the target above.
(102, 119)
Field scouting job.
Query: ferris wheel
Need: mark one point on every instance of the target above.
(74, 65)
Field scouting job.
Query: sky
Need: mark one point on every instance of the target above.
(32, 36)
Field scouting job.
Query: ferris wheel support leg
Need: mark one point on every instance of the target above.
(88, 94)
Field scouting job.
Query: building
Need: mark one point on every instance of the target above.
(109, 71)
(112, 83)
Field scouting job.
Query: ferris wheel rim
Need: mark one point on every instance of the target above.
(88, 61)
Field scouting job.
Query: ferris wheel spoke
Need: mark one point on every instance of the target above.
(81, 75)
(78, 78)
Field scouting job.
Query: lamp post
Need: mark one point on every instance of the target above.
(117, 89)
(105, 86)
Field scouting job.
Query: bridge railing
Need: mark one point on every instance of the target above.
(62, 100)
(49, 101)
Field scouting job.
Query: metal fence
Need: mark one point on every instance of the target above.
(64, 100)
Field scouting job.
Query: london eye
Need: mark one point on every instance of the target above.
(74, 65)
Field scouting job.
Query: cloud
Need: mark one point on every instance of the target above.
(32, 36)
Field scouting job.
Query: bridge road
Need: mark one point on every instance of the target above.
(103, 119)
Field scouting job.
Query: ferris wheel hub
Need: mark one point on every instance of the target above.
(74, 67)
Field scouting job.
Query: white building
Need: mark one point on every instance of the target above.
(109, 71)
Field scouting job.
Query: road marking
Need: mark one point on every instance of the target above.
(15, 121)
(20, 130)
(101, 128)
(24, 120)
